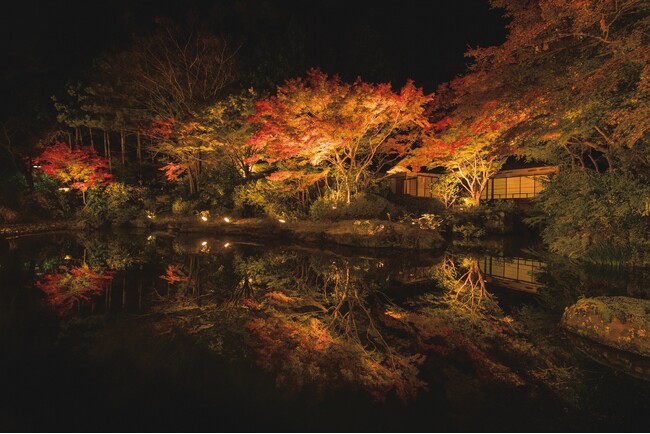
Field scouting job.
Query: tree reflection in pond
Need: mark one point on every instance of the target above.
(465, 290)
(322, 328)
(69, 287)
(316, 324)
(467, 326)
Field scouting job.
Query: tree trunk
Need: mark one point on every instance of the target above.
(29, 173)
(108, 152)
(105, 140)
(476, 197)
(122, 144)
(193, 172)
(92, 141)
(139, 156)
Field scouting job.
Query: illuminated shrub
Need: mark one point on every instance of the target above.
(362, 206)
(181, 206)
(602, 218)
(115, 204)
(267, 198)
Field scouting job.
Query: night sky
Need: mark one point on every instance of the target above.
(46, 44)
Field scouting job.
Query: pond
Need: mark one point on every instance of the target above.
(156, 332)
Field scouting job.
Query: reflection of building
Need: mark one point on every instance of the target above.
(518, 274)
(507, 184)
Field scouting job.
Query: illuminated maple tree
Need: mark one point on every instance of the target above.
(471, 144)
(225, 127)
(184, 152)
(80, 168)
(588, 63)
(353, 130)
(571, 80)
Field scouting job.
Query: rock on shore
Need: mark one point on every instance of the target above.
(618, 322)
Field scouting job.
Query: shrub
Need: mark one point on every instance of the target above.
(263, 197)
(218, 187)
(608, 254)
(418, 205)
(362, 206)
(181, 206)
(589, 215)
(115, 204)
(425, 221)
(47, 201)
(447, 189)
(7, 215)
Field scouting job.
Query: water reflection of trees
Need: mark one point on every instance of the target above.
(464, 323)
(319, 324)
(465, 285)
(321, 320)
(67, 288)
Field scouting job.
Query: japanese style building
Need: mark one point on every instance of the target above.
(523, 183)
(518, 183)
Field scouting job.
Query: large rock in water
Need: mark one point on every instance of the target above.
(618, 322)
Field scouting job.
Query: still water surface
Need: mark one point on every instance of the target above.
(144, 331)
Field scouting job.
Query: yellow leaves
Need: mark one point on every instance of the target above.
(573, 114)
(279, 296)
(393, 314)
(552, 135)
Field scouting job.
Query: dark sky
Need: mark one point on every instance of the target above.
(46, 43)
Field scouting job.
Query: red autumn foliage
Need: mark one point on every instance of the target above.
(306, 352)
(174, 274)
(173, 171)
(81, 168)
(72, 286)
(162, 129)
(349, 129)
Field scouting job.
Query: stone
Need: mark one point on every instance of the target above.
(618, 322)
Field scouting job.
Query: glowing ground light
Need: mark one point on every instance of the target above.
(67, 257)
(227, 245)
(204, 218)
(226, 219)
(204, 243)
(282, 221)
